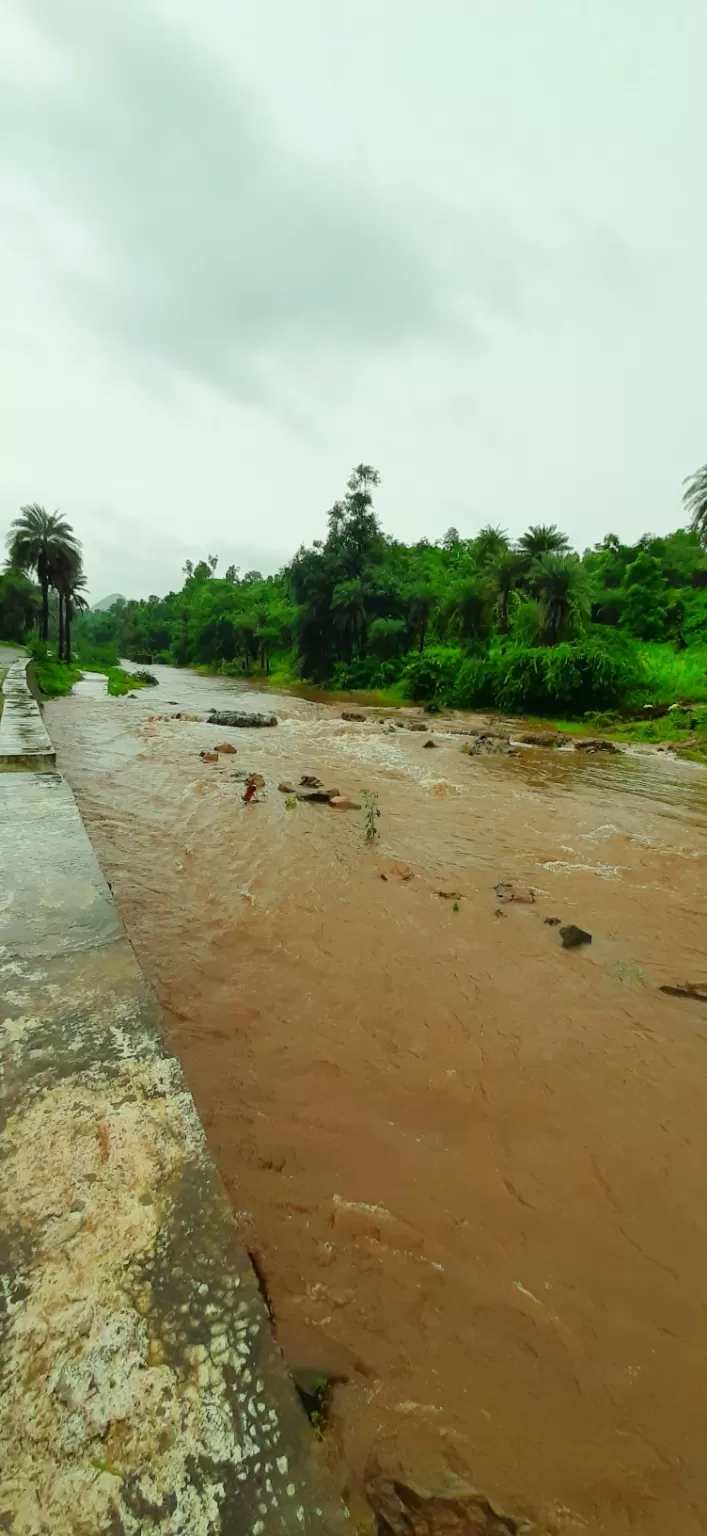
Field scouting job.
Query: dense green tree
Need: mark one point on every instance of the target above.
(646, 605)
(20, 603)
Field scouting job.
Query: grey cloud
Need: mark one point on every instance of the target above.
(204, 242)
(122, 554)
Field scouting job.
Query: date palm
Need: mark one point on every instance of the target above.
(69, 581)
(504, 575)
(38, 541)
(560, 584)
(695, 502)
(542, 539)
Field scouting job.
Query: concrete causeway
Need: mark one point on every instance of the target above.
(24, 740)
(141, 1390)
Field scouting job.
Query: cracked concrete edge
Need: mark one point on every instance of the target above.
(24, 739)
(141, 1389)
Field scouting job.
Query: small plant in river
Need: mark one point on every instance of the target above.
(371, 814)
(291, 803)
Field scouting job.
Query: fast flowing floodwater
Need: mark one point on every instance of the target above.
(471, 1164)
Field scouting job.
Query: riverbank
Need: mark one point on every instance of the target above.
(684, 728)
(468, 1160)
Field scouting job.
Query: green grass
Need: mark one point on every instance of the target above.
(120, 682)
(55, 678)
(673, 676)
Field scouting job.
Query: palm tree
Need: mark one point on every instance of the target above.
(695, 501)
(348, 606)
(542, 539)
(489, 544)
(37, 541)
(504, 575)
(422, 601)
(560, 583)
(69, 581)
(466, 608)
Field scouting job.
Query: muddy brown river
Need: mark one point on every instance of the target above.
(471, 1164)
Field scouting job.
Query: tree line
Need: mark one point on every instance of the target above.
(471, 621)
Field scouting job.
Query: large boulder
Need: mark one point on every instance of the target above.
(236, 718)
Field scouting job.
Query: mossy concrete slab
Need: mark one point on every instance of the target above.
(24, 740)
(140, 1386)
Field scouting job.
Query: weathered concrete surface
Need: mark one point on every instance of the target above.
(141, 1390)
(24, 741)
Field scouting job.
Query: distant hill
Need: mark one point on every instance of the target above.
(107, 602)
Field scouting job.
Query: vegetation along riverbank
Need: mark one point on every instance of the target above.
(526, 627)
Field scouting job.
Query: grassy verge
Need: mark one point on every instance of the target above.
(55, 678)
(673, 675)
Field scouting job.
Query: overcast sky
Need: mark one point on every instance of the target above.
(245, 246)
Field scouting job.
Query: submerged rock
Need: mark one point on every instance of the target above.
(351, 714)
(286, 788)
(405, 1508)
(397, 871)
(697, 990)
(485, 745)
(430, 743)
(318, 796)
(594, 744)
(236, 718)
(310, 781)
(343, 803)
(507, 890)
(226, 747)
(542, 738)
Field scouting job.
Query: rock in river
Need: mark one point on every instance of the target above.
(235, 718)
(593, 744)
(573, 937)
(406, 1508)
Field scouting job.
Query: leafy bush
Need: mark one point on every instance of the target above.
(386, 638)
(35, 647)
(571, 678)
(431, 674)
